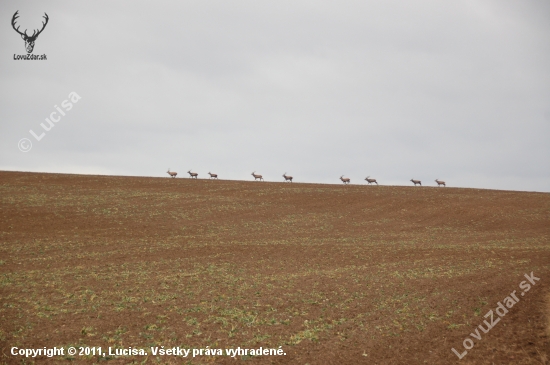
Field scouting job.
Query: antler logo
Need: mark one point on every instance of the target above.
(29, 40)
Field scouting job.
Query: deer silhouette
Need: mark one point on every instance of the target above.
(29, 40)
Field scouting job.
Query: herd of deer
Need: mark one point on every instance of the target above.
(345, 180)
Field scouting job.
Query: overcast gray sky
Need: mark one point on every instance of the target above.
(455, 90)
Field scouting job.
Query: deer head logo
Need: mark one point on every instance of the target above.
(29, 40)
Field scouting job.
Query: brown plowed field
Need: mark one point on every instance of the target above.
(333, 274)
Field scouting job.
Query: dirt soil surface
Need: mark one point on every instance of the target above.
(330, 274)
